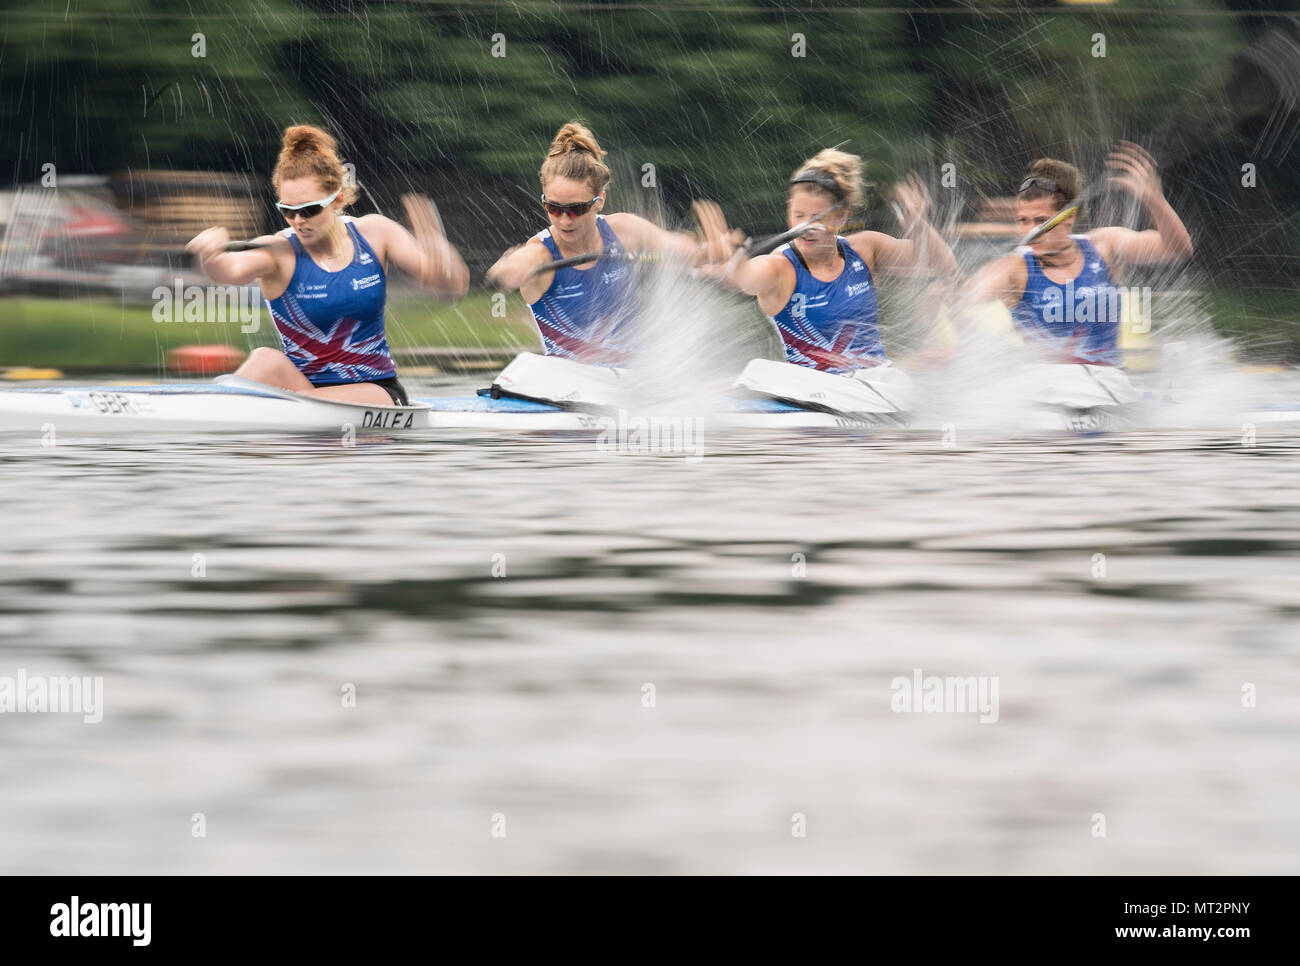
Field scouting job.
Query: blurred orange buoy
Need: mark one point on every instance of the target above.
(204, 360)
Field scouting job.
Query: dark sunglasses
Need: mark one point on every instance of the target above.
(575, 211)
(309, 210)
(1047, 184)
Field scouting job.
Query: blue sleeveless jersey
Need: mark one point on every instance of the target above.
(832, 326)
(331, 324)
(589, 315)
(1078, 320)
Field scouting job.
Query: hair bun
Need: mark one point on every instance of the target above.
(576, 137)
(308, 151)
(575, 154)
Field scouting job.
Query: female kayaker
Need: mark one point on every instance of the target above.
(588, 312)
(1062, 287)
(325, 276)
(820, 289)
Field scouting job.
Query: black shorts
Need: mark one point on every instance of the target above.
(389, 385)
(394, 389)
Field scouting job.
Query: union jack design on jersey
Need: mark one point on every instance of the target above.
(831, 326)
(320, 354)
(331, 324)
(1074, 321)
(589, 314)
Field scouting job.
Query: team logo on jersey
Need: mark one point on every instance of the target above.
(365, 258)
(858, 289)
(367, 282)
(858, 266)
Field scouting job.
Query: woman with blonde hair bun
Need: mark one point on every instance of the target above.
(588, 313)
(820, 288)
(325, 278)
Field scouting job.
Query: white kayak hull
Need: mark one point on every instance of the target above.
(236, 407)
(242, 409)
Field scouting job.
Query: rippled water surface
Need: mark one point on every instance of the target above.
(501, 603)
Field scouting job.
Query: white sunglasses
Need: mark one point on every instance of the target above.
(308, 209)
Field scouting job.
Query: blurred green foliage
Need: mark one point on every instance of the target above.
(724, 99)
(97, 334)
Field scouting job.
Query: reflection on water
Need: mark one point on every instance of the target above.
(500, 604)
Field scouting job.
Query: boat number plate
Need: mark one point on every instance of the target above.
(388, 419)
(1085, 422)
(112, 403)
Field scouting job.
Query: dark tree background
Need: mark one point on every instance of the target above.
(718, 97)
